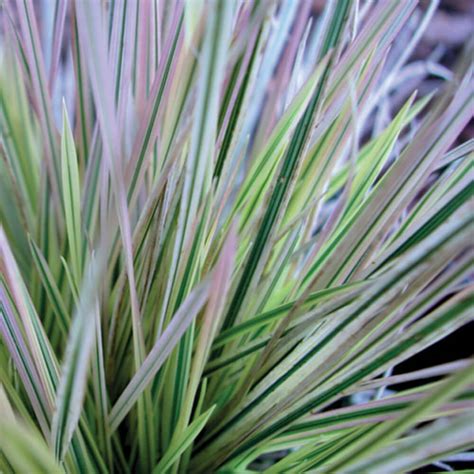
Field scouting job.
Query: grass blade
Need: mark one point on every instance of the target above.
(71, 197)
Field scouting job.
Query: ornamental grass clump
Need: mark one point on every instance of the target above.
(218, 233)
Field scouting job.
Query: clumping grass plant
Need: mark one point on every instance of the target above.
(218, 233)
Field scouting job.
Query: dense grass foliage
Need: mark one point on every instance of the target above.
(216, 241)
